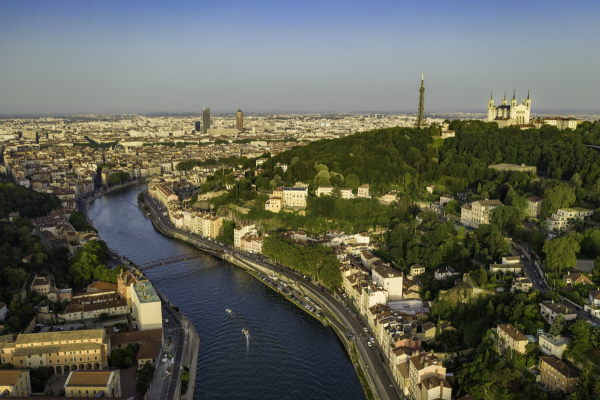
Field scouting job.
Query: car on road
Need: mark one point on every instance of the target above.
(370, 344)
(366, 330)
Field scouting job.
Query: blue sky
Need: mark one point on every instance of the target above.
(295, 56)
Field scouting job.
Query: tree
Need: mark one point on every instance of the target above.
(141, 387)
(205, 188)
(580, 343)
(556, 197)
(576, 179)
(558, 326)
(595, 191)
(561, 252)
(438, 328)
(352, 181)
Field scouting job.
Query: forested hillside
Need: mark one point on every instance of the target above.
(407, 157)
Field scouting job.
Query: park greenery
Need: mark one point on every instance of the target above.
(118, 177)
(79, 222)
(27, 203)
(316, 261)
(90, 264)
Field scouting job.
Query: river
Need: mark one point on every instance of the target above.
(290, 355)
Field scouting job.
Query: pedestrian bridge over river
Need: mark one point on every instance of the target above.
(175, 259)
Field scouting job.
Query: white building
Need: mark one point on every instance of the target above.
(553, 345)
(444, 273)
(3, 311)
(565, 217)
(390, 280)
(146, 306)
(478, 212)
(240, 231)
(561, 123)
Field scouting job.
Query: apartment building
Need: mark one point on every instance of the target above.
(509, 336)
(363, 191)
(164, 194)
(478, 212)
(553, 345)
(423, 367)
(534, 206)
(62, 352)
(146, 306)
(15, 383)
(555, 374)
(564, 218)
(295, 197)
(240, 231)
(371, 295)
(93, 384)
(390, 280)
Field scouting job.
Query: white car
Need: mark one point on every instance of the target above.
(370, 344)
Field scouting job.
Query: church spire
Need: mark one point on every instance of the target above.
(505, 95)
(491, 95)
(527, 94)
(514, 94)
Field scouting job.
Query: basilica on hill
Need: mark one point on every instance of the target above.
(513, 114)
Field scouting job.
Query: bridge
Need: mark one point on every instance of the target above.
(175, 259)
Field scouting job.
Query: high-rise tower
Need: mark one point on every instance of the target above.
(239, 120)
(205, 119)
(421, 114)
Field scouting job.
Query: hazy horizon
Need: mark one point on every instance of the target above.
(68, 57)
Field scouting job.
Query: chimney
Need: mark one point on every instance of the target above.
(441, 389)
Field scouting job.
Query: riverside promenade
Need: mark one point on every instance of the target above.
(351, 334)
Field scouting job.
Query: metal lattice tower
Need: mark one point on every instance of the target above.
(421, 114)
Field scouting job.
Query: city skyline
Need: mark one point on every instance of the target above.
(73, 58)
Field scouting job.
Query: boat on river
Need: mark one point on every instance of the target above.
(245, 332)
(228, 311)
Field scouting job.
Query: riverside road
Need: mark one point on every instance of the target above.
(290, 354)
(377, 371)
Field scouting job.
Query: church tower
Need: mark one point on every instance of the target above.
(513, 106)
(504, 102)
(527, 108)
(491, 109)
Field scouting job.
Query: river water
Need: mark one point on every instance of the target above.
(290, 355)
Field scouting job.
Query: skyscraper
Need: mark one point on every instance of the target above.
(205, 120)
(239, 120)
(198, 126)
(421, 114)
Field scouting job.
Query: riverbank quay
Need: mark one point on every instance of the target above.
(377, 374)
(183, 343)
